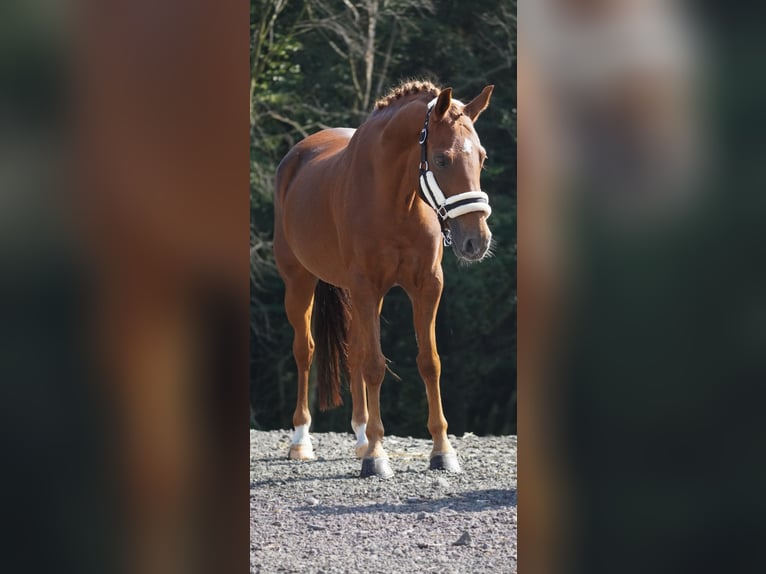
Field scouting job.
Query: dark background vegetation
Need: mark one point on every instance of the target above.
(322, 63)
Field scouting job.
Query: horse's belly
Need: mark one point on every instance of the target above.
(311, 235)
(324, 264)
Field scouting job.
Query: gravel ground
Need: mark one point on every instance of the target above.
(319, 516)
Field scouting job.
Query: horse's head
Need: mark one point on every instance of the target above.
(455, 157)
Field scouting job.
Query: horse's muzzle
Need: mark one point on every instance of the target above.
(472, 244)
(472, 249)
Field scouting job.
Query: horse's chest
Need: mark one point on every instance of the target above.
(396, 265)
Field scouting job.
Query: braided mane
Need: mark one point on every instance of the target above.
(407, 89)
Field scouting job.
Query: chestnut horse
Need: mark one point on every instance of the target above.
(358, 212)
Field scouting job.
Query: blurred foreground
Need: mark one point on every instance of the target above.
(124, 207)
(641, 288)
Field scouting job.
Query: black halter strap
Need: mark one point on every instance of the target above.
(446, 233)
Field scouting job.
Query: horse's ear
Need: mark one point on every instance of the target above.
(477, 105)
(443, 102)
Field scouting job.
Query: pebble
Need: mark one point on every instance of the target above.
(311, 501)
(441, 482)
(464, 540)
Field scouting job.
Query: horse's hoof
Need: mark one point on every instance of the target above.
(446, 461)
(376, 467)
(301, 452)
(361, 450)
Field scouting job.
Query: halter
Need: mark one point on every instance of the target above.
(446, 207)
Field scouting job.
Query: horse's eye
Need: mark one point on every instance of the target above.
(440, 160)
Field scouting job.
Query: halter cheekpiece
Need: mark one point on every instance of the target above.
(446, 207)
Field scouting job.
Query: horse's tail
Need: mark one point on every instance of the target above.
(332, 316)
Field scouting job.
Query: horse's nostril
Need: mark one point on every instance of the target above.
(470, 247)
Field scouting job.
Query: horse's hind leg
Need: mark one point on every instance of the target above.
(359, 415)
(299, 298)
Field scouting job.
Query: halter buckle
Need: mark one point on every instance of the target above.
(442, 211)
(447, 237)
(423, 136)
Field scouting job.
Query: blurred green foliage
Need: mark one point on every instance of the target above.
(322, 63)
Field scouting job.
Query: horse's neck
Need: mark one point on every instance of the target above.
(391, 146)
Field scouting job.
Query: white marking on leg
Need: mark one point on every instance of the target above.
(360, 430)
(301, 435)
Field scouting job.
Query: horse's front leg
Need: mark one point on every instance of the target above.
(367, 366)
(425, 302)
